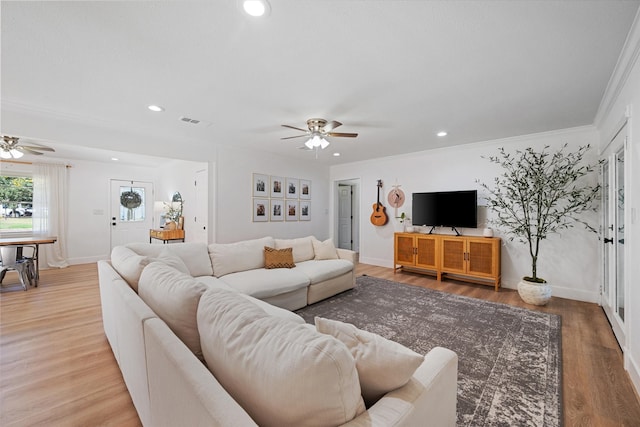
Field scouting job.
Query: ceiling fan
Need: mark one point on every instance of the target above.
(319, 130)
(10, 147)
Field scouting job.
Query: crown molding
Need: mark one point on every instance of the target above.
(626, 61)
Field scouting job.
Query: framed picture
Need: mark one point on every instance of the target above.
(260, 184)
(277, 187)
(260, 210)
(305, 210)
(276, 213)
(305, 189)
(291, 212)
(292, 188)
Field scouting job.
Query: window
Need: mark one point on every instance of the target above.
(16, 204)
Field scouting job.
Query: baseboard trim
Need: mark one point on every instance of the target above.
(376, 261)
(575, 294)
(633, 369)
(85, 260)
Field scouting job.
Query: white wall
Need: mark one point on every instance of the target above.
(233, 204)
(179, 175)
(89, 228)
(568, 261)
(623, 98)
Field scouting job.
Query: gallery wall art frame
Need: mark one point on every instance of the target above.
(304, 210)
(277, 187)
(292, 188)
(260, 185)
(291, 210)
(276, 213)
(260, 210)
(305, 189)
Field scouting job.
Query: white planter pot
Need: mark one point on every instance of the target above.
(534, 293)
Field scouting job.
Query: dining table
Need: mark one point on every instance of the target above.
(34, 241)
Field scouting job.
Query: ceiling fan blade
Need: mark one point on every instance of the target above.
(27, 149)
(348, 135)
(298, 136)
(293, 127)
(331, 125)
(38, 147)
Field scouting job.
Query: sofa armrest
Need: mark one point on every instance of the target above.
(182, 391)
(428, 399)
(347, 254)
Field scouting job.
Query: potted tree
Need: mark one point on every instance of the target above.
(539, 193)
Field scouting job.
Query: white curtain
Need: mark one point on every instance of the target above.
(50, 201)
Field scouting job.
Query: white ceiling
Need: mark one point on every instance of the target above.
(82, 73)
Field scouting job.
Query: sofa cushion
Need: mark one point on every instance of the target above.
(280, 372)
(324, 250)
(166, 257)
(229, 258)
(272, 310)
(194, 255)
(262, 283)
(128, 264)
(383, 365)
(302, 247)
(174, 297)
(278, 258)
(319, 271)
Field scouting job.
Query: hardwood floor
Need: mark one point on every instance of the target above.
(57, 369)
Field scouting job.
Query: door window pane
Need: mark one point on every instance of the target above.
(132, 204)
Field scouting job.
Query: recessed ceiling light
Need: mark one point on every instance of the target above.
(336, 154)
(256, 7)
(115, 159)
(155, 108)
(442, 133)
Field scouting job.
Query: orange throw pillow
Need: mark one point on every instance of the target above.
(278, 258)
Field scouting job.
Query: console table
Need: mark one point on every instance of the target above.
(166, 235)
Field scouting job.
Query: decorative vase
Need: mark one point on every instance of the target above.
(487, 232)
(170, 225)
(534, 293)
(408, 228)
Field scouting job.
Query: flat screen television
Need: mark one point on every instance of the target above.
(445, 209)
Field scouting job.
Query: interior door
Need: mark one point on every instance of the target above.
(202, 200)
(345, 217)
(131, 211)
(614, 285)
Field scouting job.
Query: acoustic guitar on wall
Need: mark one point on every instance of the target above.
(378, 217)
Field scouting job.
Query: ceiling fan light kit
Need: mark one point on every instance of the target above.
(319, 130)
(10, 148)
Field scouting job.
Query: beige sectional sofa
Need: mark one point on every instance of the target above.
(201, 339)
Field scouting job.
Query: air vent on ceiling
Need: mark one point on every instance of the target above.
(189, 120)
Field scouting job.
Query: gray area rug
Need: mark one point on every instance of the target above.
(509, 369)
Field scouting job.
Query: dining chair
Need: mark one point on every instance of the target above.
(29, 253)
(23, 266)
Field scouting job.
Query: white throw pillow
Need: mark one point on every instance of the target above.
(195, 256)
(174, 261)
(324, 250)
(302, 247)
(383, 365)
(229, 258)
(128, 264)
(174, 297)
(281, 372)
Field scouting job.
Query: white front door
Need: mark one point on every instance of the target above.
(131, 211)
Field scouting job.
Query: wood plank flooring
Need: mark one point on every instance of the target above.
(57, 369)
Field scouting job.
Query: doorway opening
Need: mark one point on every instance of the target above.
(347, 214)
